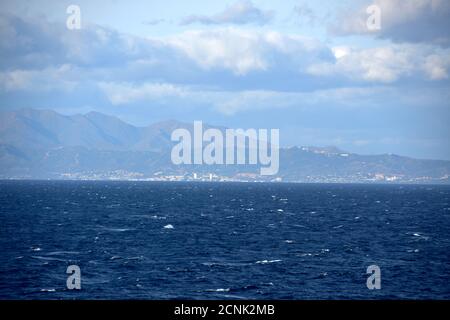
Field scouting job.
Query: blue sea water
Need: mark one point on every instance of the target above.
(156, 240)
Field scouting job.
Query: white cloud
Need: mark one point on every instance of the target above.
(340, 51)
(241, 12)
(124, 93)
(51, 78)
(239, 51)
(436, 66)
(15, 80)
(244, 51)
(386, 64)
(232, 102)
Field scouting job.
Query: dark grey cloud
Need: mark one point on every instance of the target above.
(31, 43)
(425, 21)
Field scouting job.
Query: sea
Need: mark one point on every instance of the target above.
(207, 240)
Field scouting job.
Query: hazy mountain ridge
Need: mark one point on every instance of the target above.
(45, 144)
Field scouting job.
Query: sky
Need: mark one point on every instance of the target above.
(312, 69)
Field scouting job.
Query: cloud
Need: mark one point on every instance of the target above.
(124, 93)
(37, 43)
(103, 52)
(227, 69)
(230, 102)
(386, 64)
(153, 22)
(415, 21)
(306, 14)
(51, 78)
(241, 12)
(436, 66)
(246, 51)
(349, 97)
(261, 60)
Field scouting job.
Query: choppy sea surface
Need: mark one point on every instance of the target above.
(156, 240)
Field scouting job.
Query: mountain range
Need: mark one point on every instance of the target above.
(43, 144)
